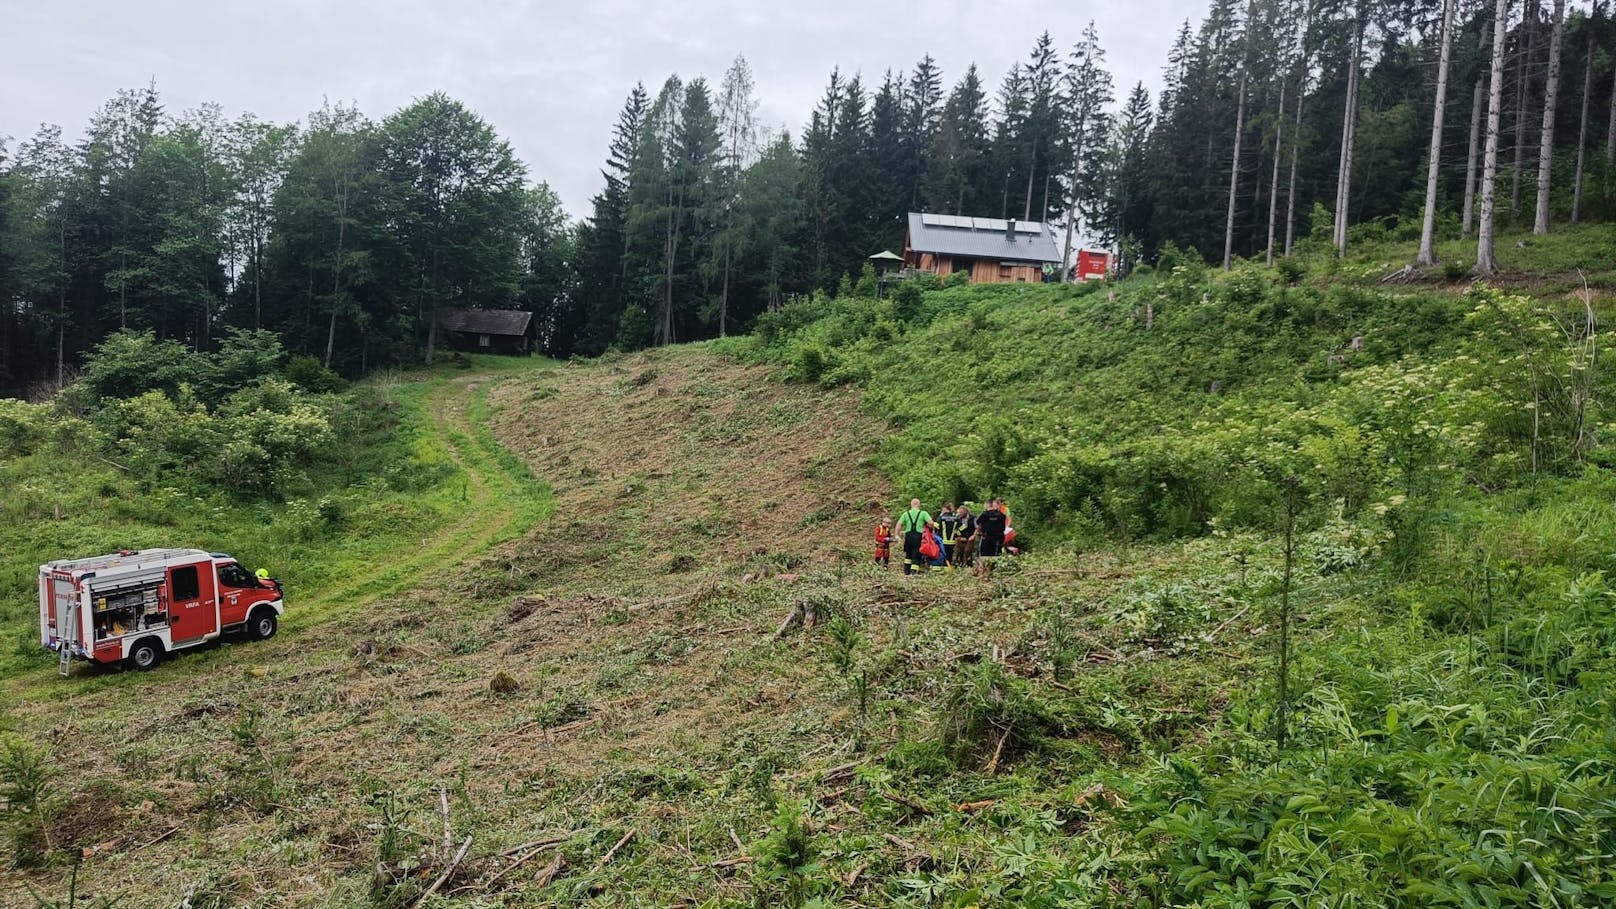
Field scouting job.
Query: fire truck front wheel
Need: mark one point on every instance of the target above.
(262, 625)
(144, 655)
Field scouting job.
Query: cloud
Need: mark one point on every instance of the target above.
(550, 76)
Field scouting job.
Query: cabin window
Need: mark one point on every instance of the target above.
(1006, 270)
(237, 577)
(184, 584)
(482, 340)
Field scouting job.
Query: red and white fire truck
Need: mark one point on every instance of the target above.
(135, 607)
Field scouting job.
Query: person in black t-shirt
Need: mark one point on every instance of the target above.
(990, 526)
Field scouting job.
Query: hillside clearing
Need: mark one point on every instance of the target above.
(611, 708)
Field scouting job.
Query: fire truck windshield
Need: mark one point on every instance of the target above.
(235, 576)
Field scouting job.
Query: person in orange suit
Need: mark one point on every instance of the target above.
(883, 543)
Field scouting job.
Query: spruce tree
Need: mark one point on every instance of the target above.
(956, 175)
(590, 325)
(1088, 95)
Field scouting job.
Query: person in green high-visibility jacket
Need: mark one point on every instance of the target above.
(912, 524)
(948, 531)
(265, 581)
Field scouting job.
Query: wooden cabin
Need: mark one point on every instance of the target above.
(500, 331)
(993, 250)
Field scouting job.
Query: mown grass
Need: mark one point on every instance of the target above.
(397, 502)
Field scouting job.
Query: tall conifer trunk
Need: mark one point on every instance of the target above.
(1427, 254)
(1071, 210)
(1032, 168)
(1551, 101)
(1610, 130)
(1468, 221)
(1485, 263)
(1582, 135)
(61, 342)
(1273, 180)
(723, 297)
(336, 284)
(1349, 132)
(1523, 101)
(1234, 174)
(1296, 147)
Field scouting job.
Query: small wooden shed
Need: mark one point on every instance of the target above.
(500, 331)
(993, 250)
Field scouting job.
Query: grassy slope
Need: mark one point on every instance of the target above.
(654, 530)
(1561, 261)
(373, 545)
(950, 741)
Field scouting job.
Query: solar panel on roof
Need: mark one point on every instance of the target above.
(980, 225)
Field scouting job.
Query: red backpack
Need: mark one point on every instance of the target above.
(928, 545)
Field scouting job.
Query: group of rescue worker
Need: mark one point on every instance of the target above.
(955, 538)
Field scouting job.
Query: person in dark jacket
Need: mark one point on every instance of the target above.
(965, 538)
(990, 525)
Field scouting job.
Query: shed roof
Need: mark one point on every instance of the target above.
(981, 238)
(512, 322)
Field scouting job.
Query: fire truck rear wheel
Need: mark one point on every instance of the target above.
(262, 625)
(144, 655)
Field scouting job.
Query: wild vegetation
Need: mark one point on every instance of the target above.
(1315, 611)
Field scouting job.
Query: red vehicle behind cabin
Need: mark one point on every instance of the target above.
(1092, 265)
(135, 607)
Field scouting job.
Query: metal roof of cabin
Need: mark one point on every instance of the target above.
(981, 238)
(487, 321)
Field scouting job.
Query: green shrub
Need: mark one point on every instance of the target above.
(990, 716)
(906, 301)
(309, 374)
(1170, 257)
(244, 357)
(129, 363)
(791, 318)
(787, 868)
(22, 427)
(810, 363)
(1163, 614)
(24, 812)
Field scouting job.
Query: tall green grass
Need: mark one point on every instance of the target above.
(1454, 679)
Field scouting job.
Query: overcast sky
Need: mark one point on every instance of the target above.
(550, 76)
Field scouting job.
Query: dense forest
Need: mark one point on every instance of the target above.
(1280, 122)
